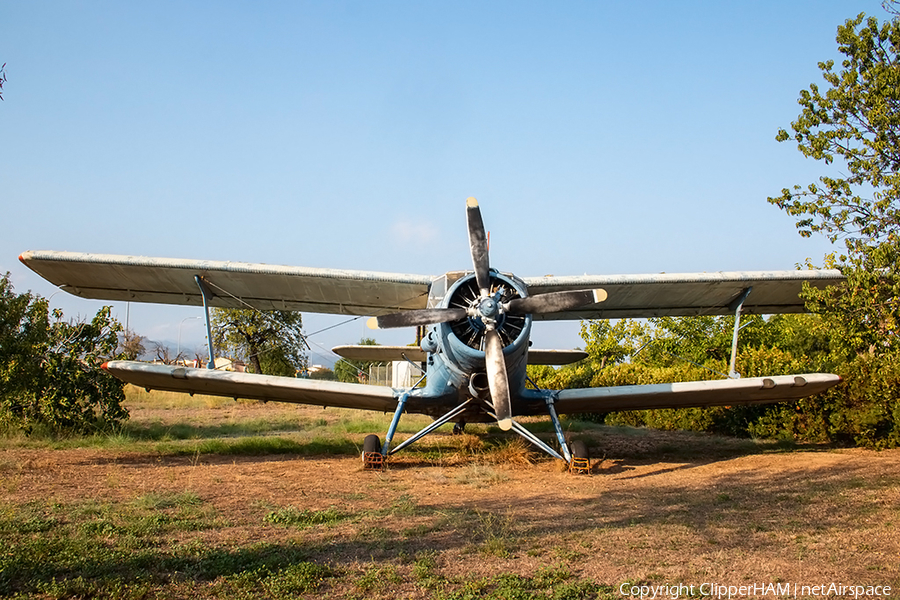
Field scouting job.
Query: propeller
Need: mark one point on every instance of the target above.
(478, 245)
(425, 316)
(488, 309)
(554, 302)
(495, 365)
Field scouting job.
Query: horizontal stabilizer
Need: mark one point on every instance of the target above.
(414, 353)
(369, 353)
(252, 386)
(719, 392)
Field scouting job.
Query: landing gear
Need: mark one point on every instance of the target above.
(459, 428)
(373, 459)
(581, 460)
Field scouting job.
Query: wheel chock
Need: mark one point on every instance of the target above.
(373, 461)
(580, 466)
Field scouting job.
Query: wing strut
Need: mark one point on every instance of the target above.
(207, 296)
(737, 305)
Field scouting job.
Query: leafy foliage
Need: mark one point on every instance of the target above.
(271, 342)
(50, 375)
(856, 119)
(865, 410)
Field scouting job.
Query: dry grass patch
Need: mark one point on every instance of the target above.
(454, 517)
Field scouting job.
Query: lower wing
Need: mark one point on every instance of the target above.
(720, 392)
(254, 387)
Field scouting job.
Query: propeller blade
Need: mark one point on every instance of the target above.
(555, 302)
(478, 245)
(425, 316)
(495, 366)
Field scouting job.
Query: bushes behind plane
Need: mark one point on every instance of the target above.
(864, 410)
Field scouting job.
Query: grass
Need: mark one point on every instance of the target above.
(133, 550)
(291, 516)
(480, 515)
(172, 424)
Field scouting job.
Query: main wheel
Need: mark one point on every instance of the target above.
(581, 460)
(371, 455)
(579, 450)
(371, 444)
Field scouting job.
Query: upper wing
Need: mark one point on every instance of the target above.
(272, 287)
(254, 387)
(686, 294)
(720, 392)
(234, 285)
(416, 354)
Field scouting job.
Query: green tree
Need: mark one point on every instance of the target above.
(50, 375)
(272, 342)
(610, 343)
(854, 121)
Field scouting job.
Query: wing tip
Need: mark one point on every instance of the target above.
(471, 202)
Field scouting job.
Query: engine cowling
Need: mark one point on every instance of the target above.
(465, 337)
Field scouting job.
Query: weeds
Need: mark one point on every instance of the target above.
(496, 533)
(290, 516)
(378, 578)
(479, 476)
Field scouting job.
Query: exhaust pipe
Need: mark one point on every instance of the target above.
(479, 386)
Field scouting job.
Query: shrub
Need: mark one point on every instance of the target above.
(50, 375)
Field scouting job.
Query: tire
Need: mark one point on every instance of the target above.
(579, 450)
(581, 460)
(371, 455)
(372, 444)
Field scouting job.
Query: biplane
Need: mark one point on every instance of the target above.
(474, 325)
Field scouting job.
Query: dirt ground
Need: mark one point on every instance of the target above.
(805, 517)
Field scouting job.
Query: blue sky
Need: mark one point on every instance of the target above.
(599, 137)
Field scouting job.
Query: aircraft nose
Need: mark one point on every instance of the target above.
(489, 308)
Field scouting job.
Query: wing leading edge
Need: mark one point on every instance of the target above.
(253, 387)
(234, 284)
